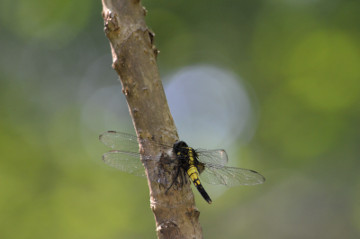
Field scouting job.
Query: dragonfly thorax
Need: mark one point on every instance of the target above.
(186, 155)
(180, 148)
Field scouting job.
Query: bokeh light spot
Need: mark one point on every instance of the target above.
(210, 105)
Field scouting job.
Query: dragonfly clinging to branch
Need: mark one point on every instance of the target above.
(200, 165)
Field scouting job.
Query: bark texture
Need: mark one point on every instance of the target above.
(134, 59)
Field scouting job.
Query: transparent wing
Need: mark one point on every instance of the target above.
(120, 141)
(230, 176)
(216, 156)
(124, 141)
(125, 161)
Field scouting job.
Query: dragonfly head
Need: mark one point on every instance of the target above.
(180, 147)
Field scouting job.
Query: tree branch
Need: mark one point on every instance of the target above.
(134, 59)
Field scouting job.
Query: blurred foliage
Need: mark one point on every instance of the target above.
(300, 58)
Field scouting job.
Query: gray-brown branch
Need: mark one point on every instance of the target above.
(134, 59)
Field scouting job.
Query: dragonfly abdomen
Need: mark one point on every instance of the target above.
(194, 176)
(203, 193)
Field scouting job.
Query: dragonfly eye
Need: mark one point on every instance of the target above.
(179, 146)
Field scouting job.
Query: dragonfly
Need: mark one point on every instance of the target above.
(199, 165)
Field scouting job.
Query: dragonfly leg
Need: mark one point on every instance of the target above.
(184, 178)
(174, 179)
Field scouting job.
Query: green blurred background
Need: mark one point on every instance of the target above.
(299, 62)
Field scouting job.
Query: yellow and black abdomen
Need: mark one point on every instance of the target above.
(193, 173)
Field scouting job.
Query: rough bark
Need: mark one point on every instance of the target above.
(134, 59)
